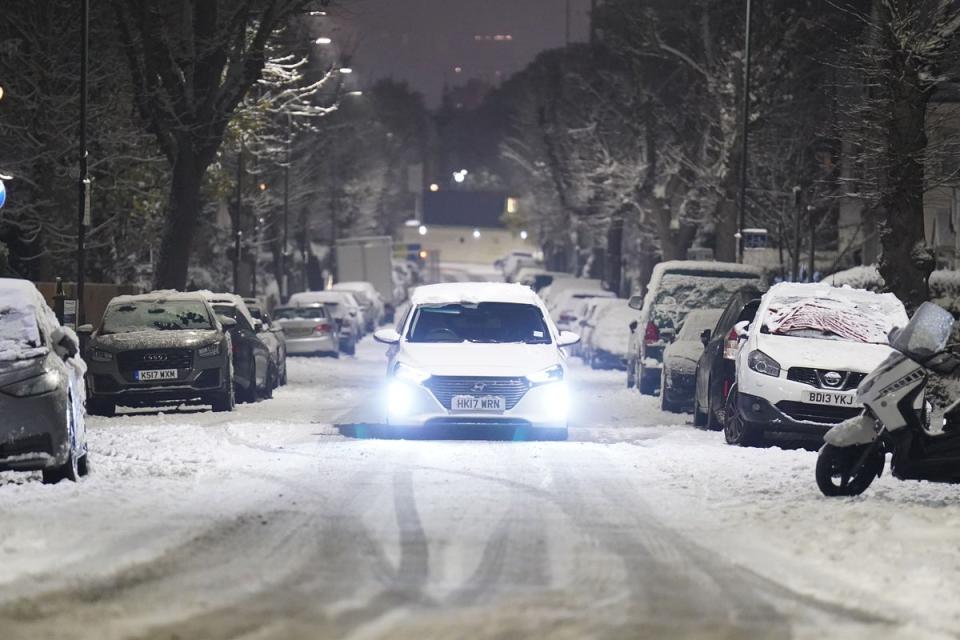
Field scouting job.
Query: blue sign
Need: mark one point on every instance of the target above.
(3, 194)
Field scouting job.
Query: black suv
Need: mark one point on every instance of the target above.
(159, 348)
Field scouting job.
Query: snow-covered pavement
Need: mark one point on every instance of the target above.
(270, 523)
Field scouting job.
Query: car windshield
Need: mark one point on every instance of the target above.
(829, 318)
(20, 338)
(680, 293)
(696, 323)
(165, 315)
(300, 313)
(488, 322)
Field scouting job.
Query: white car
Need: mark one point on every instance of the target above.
(570, 306)
(370, 301)
(477, 354)
(806, 351)
(341, 305)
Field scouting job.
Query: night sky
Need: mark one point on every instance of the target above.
(424, 41)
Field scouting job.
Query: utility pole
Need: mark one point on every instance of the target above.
(812, 264)
(798, 213)
(744, 134)
(284, 293)
(83, 215)
(237, 219)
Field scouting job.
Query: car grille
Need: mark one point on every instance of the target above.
(147, 359)
(815, 378)
(821, 414)
(26, 446)
(445, 387)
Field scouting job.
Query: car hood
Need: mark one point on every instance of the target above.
(154, 340)
(683, 355)
(839, 355)
(476, 359)
(12, 371)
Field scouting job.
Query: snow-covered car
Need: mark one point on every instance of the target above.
(516, 260)
(255, 374)
(159, 348)
(347, 312)
(552, 293)
(676, 288)
(370, 301)
(272, 336)
(477, 354)
(609, 334)
(309, 330)
(570, 304)
(42, 421)
(678, 378)
(803, 357)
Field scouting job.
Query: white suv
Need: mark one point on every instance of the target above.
(482, 354)
(803, 356)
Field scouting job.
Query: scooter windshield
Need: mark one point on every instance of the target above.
(927, 332)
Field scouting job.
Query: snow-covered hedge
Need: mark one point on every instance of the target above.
(944, 284)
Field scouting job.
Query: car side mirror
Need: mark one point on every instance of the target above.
(741, 329)
(636, 302)
(705, 336)
(633, 326)
(85, 329)
(64, 344)
(387, 336)
(567, 339)
(226, 323)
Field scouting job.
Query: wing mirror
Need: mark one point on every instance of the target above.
(705, 336)
(633, 326)
(64, 344)
(636, 302)
(387, 336)
(226, 323)
(567, 339)
(742, 328)
(85, 329)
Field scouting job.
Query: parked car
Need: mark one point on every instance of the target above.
(609, 334)
(676, 288)
(516, 260)
(570, 304)
(807, 350)
(159, 348)
(42, 420)
(309, 329)
(552, 293)
(537, 278)
(716, 370)
(588, 312)
(370, 302)
(678, 378)
(272, 336)
(348, 309)
(495, 360)
(255, 374)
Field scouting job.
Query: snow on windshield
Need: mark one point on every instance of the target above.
(490, 322)
(679, 294)
(170, 315)
(20, 337)
(830, 318)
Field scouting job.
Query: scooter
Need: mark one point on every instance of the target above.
(895, 415)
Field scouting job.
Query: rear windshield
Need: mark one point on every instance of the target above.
(300, 313)
(679, 294)
(488, 322)
(170, 315)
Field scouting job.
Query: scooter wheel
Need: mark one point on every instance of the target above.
(834, 466)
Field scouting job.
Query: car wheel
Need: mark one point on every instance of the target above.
(666, 402)
(351, 348)
(248, 394)
(270, 383)
(224, 401)
(714, 420)
(283, 374)
(735, 429)
(101, 407)
(699, 417)
(83, 465)
(70, 469)
(631, 375)
(646, 382)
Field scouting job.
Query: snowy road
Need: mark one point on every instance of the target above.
(270, 523)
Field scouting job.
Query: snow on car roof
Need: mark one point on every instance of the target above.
(162, 294)
(705, 267)
(314, 297)
(474, 293)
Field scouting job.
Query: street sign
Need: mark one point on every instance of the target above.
(70, 313)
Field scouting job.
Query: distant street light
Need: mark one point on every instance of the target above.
(323, 40)
(318, 14)
(1, 92)
(355, 93)
(434, 187)
(263, 186)
(460, 176)
(422, 230)
(476, 234)
(523, 235)
(346, 70)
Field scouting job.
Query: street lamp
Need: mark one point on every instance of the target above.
(355, 93)
(524, 235)
(346, 70)
(476, 234)
(323, 40)
(744, 147)
(83, 207)
(422, 230)
(434, 187)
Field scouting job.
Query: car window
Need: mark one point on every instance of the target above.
(164, 315)
(487, 322)
(231, 311)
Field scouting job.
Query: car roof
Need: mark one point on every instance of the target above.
(473, 292)
(162, 295)
(705, 268)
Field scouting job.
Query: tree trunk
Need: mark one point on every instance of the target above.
(182, 212)
(906, 263)
(614, 263)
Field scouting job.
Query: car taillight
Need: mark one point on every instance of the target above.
(652, 334)
(730, 345)
(323, 327)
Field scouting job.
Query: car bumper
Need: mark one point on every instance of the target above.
(306, 346)
(791, 417)
(681, 384)
(33, 432)
(541, 407)
(790, 405)
(105, 382)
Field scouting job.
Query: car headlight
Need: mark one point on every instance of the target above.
(410, 374)
(762, 363)
(44, 383)
(99, 355)
(555, 401)
(399, 398)
(551, 374)
(209, 351)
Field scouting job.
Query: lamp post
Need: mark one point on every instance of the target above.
(286, 215)
(744, 135)
(237, 220)
(83, 213)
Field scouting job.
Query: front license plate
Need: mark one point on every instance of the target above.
(478, 403)
(831, 398)
(156, 374)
